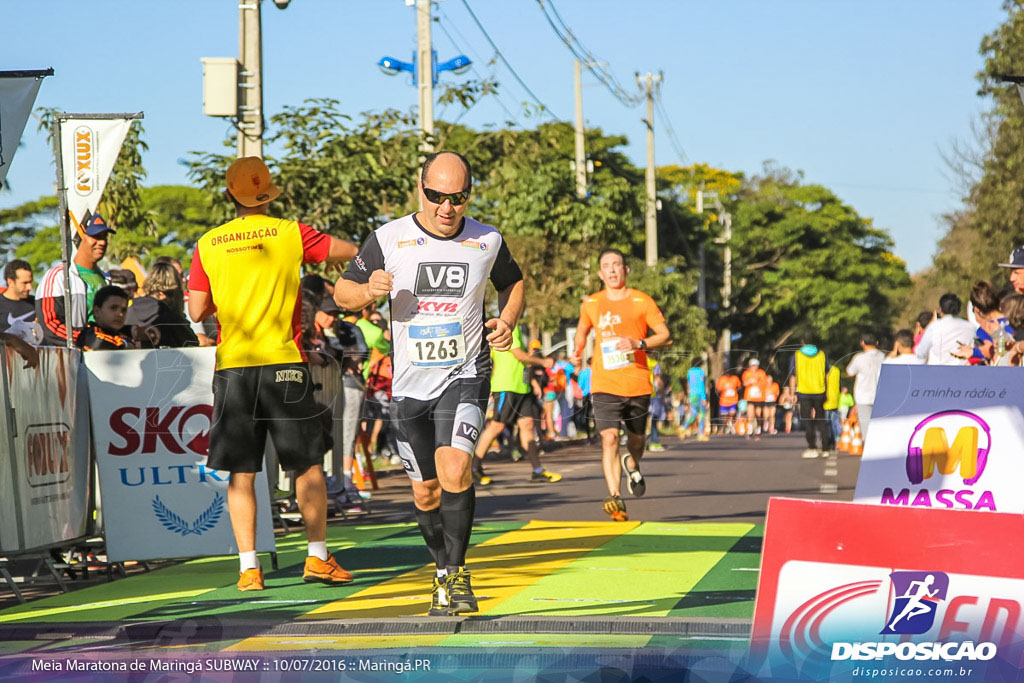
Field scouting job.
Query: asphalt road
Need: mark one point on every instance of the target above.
(728, 478)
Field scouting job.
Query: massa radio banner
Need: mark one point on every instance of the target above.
(946, 438)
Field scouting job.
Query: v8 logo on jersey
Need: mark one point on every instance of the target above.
(442, 279)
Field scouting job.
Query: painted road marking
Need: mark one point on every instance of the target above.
(671, 558)
(501, 567)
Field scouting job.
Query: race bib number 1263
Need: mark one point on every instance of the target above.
(439, 343)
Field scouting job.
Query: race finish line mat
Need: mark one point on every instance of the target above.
(540, 585)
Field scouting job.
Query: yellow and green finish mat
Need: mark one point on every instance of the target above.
(536, 570)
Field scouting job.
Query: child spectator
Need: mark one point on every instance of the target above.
(109, 332)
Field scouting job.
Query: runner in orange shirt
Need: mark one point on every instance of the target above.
(755, 385)
(622, 319)
(728, 387)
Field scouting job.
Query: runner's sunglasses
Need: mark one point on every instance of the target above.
(456, 198)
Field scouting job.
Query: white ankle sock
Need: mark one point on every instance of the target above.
(318, 549)
(248, 560)
(441, 573)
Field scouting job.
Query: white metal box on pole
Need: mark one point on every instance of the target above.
(220, 86)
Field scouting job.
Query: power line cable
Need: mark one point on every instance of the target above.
(594, 66)
(504, 61)
(458, 48)
(663, 112)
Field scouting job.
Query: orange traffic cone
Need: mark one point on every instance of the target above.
(856, 440)
(844, 437)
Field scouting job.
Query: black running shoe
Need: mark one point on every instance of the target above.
(634, 480)
(545, 477)
(460, 593)
(439, 598)
(481, 479)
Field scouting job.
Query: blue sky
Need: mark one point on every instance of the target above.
(863, 96)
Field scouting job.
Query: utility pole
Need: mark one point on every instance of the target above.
(581, 154)
(425, 71)
(702, 297)
(250, 57)
(648, 83)
(727, 284)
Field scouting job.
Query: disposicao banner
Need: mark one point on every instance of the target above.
(17, 96)
(89, 150)
(852, 592)
(151, 416)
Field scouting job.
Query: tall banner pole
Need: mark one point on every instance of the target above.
(89, 144)
(65, 231)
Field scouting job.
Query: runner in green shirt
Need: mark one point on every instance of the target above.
(516, 403)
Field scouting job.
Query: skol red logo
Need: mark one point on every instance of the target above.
(178, 430)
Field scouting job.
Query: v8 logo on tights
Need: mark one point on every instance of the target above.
(467, 431)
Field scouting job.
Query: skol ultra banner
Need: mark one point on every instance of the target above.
(89, 149)
(857, 592)
(17, 96)
(151, 413)
(44, 459)
(946, 438)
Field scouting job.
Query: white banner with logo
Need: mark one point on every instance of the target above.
(44, 459)
(17, 96)
(946, 438)
(89, 149)
(151, 413)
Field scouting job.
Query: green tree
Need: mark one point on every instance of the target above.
(805, 262)
(340, 175)
(984, 231)
(20, 225)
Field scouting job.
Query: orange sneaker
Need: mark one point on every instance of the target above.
(329, 572)
(615, 508)
(250, 580)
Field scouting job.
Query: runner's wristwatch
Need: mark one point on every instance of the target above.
(643, 344)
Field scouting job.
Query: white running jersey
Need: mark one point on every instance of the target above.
(437, 299)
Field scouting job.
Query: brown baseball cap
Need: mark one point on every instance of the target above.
(249, 182)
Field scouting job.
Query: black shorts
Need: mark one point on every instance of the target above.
(373, 410)
(453, 419)
(249, 403)
(509, 407)
(770, 404)
(632, 411)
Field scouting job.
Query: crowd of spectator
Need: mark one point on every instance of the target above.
(111, 310)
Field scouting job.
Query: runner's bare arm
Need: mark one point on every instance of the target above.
(526, 359)
(582, 330)
(510, 300)
(353, 296)
(661, 337)
(341, 251)
(200, 305)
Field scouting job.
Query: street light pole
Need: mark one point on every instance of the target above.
(250, 56)
(425, 72)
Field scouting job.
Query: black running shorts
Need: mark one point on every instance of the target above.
(452, 419)
(249, 402)
(510, 407)
(632, 411)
